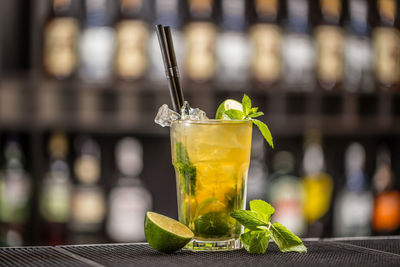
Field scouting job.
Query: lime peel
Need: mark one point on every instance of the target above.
(227, 105)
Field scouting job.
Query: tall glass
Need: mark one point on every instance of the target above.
(211, 160)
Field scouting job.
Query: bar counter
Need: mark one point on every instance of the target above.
(371, 251)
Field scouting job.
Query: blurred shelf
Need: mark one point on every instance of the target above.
(37, 104)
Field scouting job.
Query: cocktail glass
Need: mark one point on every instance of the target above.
(211, 160)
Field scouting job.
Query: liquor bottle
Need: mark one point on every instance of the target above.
(286, 194)
(15, 192)
(232, 44)
(329, 42)
(358, 53)
(317, 186)
(88, 201)
(266, 42)
(298, 48)
(353, 205)
(386, 42)
(200, 35)
(55, 194)
(386, 212)
(132, 34)
(60, 36)
(129, 199)
(167, 12)
(97, 42)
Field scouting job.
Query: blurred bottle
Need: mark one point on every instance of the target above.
(132, 31)
(353, 205)
(167, 12)
(258, 172)
(329, 38)
(97, 42)
(233, 47)
(129, 199)
(286, 194)
(386, 41)
(386, 214)
(200, 40)
(60, 34)
(15, 196)
(266, 42)
(318, 187)
(358, 51)
(88, 201)
(298, 49)
(55, 194)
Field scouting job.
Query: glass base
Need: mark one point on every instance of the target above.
(199, 245)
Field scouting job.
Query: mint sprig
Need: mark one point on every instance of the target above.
(255, 241)
(259, 229)
(186, 170)
(249, 113)
(286, 240)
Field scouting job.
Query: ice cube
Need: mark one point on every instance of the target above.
(194, 114)
(166, 116)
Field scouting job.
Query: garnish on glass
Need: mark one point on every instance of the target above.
(233, 110)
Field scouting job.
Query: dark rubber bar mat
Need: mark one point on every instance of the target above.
(390, 245)
(320, 253)
(371, 252)
(40, 256)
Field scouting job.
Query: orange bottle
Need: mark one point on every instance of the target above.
(386, 213)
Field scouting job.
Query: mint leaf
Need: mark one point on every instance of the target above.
(256, 241)
(186, 170)
(234, 114)
(258, 230)
(286, 240)
(246, 105)
(255, 115)
(181, 153)
(264, 131)
(262, 208)
(254, 110)
(187, 176)
(249, 219)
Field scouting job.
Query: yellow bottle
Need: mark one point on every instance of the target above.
(317, 185)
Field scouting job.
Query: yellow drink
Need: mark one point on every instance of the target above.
(211, 160)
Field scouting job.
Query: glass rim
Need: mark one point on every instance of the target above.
(211, 122)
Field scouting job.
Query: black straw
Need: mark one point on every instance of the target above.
(168, 68)
(174, 65)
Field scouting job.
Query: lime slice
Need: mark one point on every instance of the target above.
(226, 105)
(165, 234)
(213, 225)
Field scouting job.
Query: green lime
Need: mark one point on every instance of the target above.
(226, 105)
(213, 225)
(165, 234)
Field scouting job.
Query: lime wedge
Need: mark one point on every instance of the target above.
(226, 105)
(165, 234)
(213, 224)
